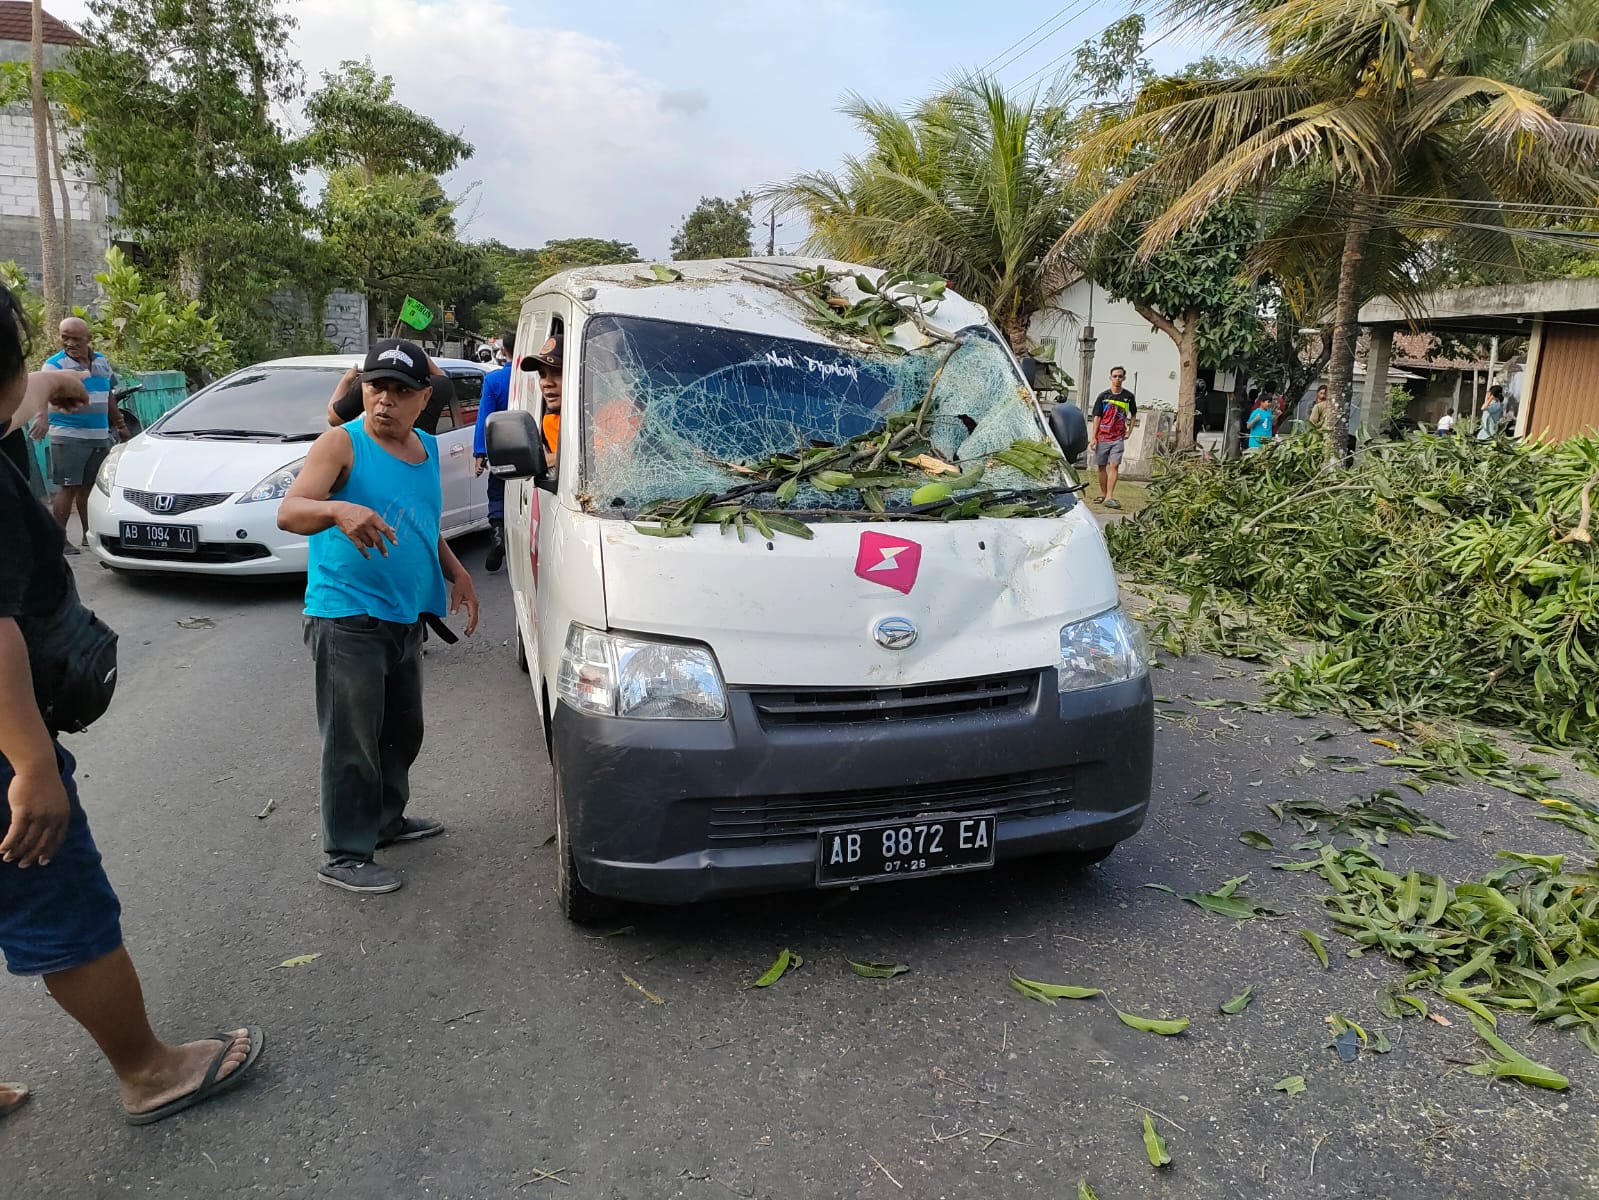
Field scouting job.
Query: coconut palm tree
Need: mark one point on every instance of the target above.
(964, 184)
(1377, 115)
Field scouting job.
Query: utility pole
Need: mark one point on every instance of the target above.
(1085, 354)
(771, 232)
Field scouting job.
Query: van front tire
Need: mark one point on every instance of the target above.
(577, 903)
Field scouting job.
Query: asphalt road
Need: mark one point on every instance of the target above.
(458, 1038)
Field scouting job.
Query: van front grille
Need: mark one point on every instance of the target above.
(858, 706)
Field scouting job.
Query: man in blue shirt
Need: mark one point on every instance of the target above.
(370, 501)
(81, 438)
(496, 397)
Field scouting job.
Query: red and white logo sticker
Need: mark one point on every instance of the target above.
(890, 561)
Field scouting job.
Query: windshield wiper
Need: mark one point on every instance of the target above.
(273, 434)
(298, 437)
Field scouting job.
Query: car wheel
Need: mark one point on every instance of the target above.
(1081, 860)
(521, 652)
(577, 903)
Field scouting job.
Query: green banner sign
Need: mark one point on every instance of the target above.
(416, 314)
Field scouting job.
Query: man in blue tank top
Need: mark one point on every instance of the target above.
(369, 499)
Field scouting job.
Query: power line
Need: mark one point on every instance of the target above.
(1050, 20)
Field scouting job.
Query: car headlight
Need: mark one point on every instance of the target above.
(1109, 648)
(106, 478)
(614, 676)
(275, 486)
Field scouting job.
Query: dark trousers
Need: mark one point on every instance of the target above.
(369, 711)
(496, 498)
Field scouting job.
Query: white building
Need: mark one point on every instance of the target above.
(19, 189)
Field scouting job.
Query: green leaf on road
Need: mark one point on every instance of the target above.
(875, 970)
(1048, 993)
(1514, 1065)
(1319, 946)
(1239, 1002)
(1154, 1144)
(1224, 901)
(1259, 841)
(299, 960)
(786, 961)
(1151, 1025)
(1084, 1192)
(1293, 1085)
(1202, 799)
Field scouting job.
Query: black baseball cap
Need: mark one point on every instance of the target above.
(549, 354)
(395, 358)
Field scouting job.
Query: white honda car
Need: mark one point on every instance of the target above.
(199, 490)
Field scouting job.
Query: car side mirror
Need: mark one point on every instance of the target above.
(1070, 429)
(515, 446)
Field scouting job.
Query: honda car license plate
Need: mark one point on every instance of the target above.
(180, 539)
(891, 850)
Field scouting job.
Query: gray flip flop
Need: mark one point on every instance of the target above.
(209, 1086)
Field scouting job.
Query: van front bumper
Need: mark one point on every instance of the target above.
(670, 812)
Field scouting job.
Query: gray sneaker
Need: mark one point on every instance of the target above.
(366, 877)
(414, 829)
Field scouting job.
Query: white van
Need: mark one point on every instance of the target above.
(891, 644)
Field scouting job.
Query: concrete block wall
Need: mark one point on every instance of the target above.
(19, 209)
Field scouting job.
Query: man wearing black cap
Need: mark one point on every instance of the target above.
(346, 403)
(548, 362)
(370, 501)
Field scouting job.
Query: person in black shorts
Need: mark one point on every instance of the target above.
(59, 917)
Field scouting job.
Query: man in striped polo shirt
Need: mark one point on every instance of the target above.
(80, 439)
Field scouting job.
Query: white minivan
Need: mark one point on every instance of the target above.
(809, 598)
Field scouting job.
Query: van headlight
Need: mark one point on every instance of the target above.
(105, 479)
(275, 486)
(1109, 648)
(614, 676)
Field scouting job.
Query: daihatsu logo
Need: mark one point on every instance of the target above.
(895, 633)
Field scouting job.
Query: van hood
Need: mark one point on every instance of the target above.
(985, 596)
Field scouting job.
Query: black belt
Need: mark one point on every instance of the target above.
(437, 625)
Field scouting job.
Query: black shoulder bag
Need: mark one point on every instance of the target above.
(73, 655)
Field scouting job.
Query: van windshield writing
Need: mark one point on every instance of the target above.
(670, 409)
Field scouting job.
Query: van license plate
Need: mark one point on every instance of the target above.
(893, 850)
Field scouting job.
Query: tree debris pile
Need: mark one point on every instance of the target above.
(1438, 577)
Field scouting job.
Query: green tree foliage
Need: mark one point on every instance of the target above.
(716, 228)
(355, 121)
(387, 224)
(1197, 291)
(175, 114)
(1361, 126)
(518, 272)
(396, 237)
(963, 185)
(139, 327)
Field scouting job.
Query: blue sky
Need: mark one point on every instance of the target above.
(611, 118)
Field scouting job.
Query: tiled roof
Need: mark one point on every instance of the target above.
(16, 25)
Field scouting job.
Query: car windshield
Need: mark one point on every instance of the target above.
(259, 402)
(672, 410)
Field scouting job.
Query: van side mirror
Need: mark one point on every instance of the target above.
(515, 446)
(1069, 427)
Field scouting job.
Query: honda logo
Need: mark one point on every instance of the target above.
(162, 502)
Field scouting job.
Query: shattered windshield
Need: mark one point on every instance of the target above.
(674, 410)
